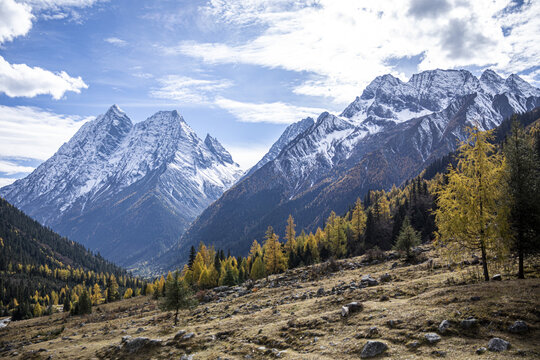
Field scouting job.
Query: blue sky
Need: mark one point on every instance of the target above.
(238, 69)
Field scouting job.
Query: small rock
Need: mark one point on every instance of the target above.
(481, 350)
(498, 344)
(369, 281)
(518, 327)
(372, 349)
(188, 336)
(140, 330)
(372, 332)
(413, 344)
(351, 308)
(385, 278)
(320, 292)
(432, 338)
(179, 334)
(384, 298)
(475, 298)
(186, 357)
(443, 326)
(136, 344)
(496, 277)
(344, 311)
(438, 353)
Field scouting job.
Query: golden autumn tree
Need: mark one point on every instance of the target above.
(274, 258)
(290, 245)
(471, 213)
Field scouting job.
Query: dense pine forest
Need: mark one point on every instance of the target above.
(482, 199)
(42, 272)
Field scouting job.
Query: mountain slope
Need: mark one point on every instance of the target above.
(385, 136)
(126, 190)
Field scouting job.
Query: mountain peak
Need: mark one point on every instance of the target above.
(520, 86)
(215, 147)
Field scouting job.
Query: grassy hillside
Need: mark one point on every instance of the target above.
(298, 315)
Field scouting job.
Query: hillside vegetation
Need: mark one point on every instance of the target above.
(299, 315)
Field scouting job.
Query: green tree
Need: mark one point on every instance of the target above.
(83, 305)
(470, 212)
(112, 289)
(407, 238)
(523, 187)
(178, 296)
(290, 245)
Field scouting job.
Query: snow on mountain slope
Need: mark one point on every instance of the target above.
(109, 163)
(385, 136)
(286, 137)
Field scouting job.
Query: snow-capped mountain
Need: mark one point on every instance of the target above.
(388, 134)
(291, 132)
(126, 190)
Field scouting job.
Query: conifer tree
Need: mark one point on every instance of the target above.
(257, 269)
(112, 289)
(274, 259)
(192, 254)
(523, 187)
(178, 296)
(290, 245)
(407, 238)
(358, 219)
(469, 214)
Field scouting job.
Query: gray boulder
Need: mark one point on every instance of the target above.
(498, 345)
(372, 349)
(140, 343)
(519, 327)
(432, 338)
(444, 326)
(369, 281)
(496, 277)
(469, 323)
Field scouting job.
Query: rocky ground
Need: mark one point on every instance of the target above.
(355, 308)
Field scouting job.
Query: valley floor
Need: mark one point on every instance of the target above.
(298, 315)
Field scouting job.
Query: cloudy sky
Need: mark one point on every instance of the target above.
(240, 70)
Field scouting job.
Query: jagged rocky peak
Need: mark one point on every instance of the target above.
(387, 82)
(520, 86)
(217, 149)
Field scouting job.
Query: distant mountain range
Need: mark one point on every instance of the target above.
(127, 190)
(387, 135)
(136, 193)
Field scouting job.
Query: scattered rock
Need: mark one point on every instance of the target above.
(372, 349)
(518, 327)
(475, 298)
(179, 334)
(140, 330)
(413, 344)
(481, 350)
(393, 323)
(372, 332)
(188, 336)
(186, 357)
(496, 277)
(444, 326)
(385, 278)
(351, 308)
(438, 353)
(384, 298)
(498, 344)
(432, 338)
(369, 281)
(320, 292)
(140, 343)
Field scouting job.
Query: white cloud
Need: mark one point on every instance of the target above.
(274, 113)
(23, 80)
(189, 91)
(58, 4)
(116, 41)
(6, 181)
(344, 44)
(15, 20)
(247, 156)
(32, 133)
(11, 168)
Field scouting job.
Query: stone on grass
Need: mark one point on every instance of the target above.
(140, 343)
(369, 281)
(498, 344)
(372, 349)
(432, 338)
(481, 350)
(179, 334)
(496, 277)
(519, 327)
(444, 326)
(351, 308)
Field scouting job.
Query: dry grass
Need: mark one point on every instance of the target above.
(304, 327)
